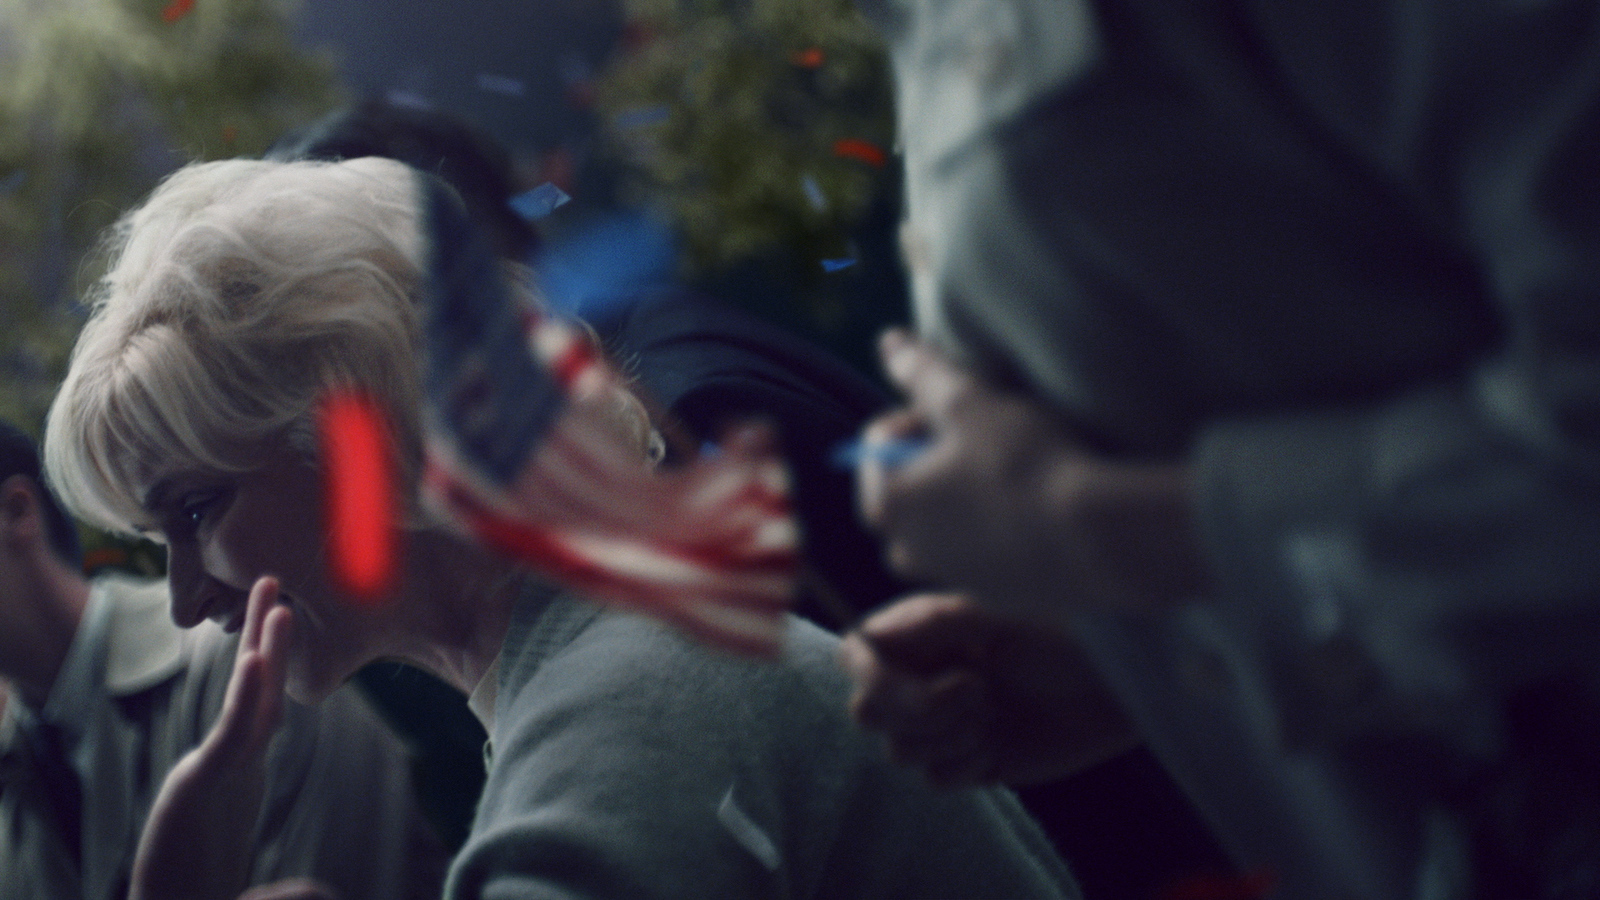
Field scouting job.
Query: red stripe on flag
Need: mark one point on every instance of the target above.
(572, 362)
(691, 606)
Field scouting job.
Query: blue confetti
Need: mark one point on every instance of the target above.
(13, 181)
(575, 70)
(834, 265)
(819, 200)
(897, 452)
(500, 84)
(643, 117)
(539, 202)
(408, 100)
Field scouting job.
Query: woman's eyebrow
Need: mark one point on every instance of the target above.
(157, 496)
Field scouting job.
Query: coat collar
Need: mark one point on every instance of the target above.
(146, 647)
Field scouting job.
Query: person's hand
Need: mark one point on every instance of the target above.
(973, 698)
(1003, 504)
(197, 841)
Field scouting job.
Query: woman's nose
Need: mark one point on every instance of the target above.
(192, 592)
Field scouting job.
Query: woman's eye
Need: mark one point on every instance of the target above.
(192, 512)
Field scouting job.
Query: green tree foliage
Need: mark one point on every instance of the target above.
(98, 100)
(729, 115)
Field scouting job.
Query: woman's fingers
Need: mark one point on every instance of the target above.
(277, 632)
(253, 705)
(263, 596)
(228, 744)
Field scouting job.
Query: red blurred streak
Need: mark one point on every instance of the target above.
(1252, 886)
(104, 556)
(809, 58)
(359, 496)
(855, 148)
(176, 10)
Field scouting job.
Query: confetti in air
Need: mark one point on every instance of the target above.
(1204, 886)
(814, 195)
(865, 151)
(809, 58)
(500, 84)
(643, 117)
(889, 454)
(539, 202)
(176, 10)
(834, 265)
(598, 269)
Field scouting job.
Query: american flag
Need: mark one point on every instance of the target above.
(524, 451)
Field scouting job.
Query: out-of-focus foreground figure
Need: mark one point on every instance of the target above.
(1258, 349)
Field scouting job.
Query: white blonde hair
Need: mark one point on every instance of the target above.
(234, 297)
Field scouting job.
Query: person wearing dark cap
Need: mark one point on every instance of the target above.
(445, 145)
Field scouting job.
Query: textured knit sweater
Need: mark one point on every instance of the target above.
(625, 761)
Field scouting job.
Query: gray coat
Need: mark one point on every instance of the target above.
(627, 761)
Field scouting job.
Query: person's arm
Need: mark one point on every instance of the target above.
(1401, 556)
(1429, 554)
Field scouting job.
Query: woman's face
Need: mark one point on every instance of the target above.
(224, 531)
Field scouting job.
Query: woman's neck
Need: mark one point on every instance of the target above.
(463, 597)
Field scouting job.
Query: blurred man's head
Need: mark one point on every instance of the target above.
(42, 589)
(19, 457)
(444, 145)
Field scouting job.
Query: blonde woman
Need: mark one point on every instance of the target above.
(623, 760)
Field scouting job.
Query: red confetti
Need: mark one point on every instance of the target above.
(636, 36)
(1253, 886)
(176, 10)
(809, 58)
(230, 134)
(104, 556)
(855, 148)
(359, 495)
(580, 94)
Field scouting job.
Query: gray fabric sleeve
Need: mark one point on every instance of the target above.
(1396, 559)
(635, 764)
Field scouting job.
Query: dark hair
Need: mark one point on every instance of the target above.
(440, 143)
(19, 456)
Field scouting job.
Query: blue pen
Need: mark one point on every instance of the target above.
(896, 452)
